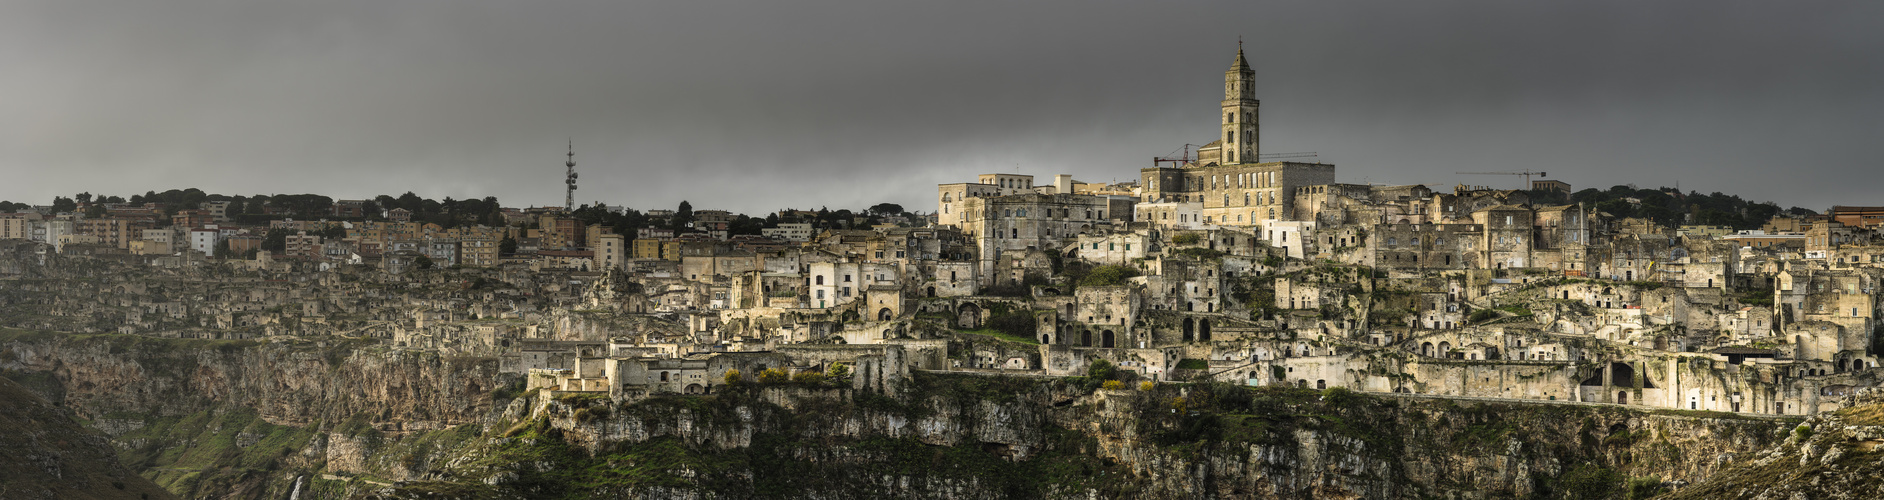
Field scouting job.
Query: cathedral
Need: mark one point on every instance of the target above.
(1228, 184)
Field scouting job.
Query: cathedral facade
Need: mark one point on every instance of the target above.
(1228, 185)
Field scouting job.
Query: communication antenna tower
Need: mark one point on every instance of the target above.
(569, 195)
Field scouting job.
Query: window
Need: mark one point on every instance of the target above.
(846, 278)
(820, 280)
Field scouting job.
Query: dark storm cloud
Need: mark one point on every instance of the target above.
(754, 106)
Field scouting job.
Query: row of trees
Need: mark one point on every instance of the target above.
(1670, 207)
(450, 212)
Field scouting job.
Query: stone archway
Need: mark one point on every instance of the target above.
(1189, 326)
(1203, 330)
(884, 314)
(1085, 338)
(968, 316)
(1105, 339)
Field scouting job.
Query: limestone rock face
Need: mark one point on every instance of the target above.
(285, 383)
(44, 453)
(1832, 455)
(345, 420)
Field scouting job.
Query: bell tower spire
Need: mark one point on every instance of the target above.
(1240, 137)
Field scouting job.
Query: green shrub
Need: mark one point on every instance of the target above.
(1113, 385)
(1802, 432)
(1337, 396)
(1482, 315)
(774, 376)
(733, 377)
(1102, 370)
(809, 378)
(1589, 481)
(1201, 253)
(839, 371)
(1646, 487)
(1108, 275)
(1019, 324)
(1186, 239)
(1146, 386)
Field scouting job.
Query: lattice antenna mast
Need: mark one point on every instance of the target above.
(569, 195)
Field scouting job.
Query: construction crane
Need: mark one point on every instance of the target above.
(1178, 158)
(1527, 175)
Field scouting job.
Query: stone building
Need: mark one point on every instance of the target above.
(1231, 184)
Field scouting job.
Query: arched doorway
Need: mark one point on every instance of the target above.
(1426, 349)
(1188, 327)
(884, 314)
(1622, 397)
(1046, 338)
(968, 316)
(932, 292)
(1203, 330)
(1445, 349)
(1085, 338)
(694, 389)
(1105, 339)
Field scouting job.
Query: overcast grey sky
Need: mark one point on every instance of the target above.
(755, 106)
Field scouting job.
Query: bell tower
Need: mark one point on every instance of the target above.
(1239, 112)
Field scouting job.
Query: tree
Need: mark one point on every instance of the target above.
(886, 209)
(840, 370)
(276, 240)
(683, 217)
(508, 246)
(424, 262)
(733, 378)
(63, 204)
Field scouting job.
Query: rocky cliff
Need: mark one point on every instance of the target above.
(45, 453)
(973, 437)
(244, 419)
(1828, 456)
